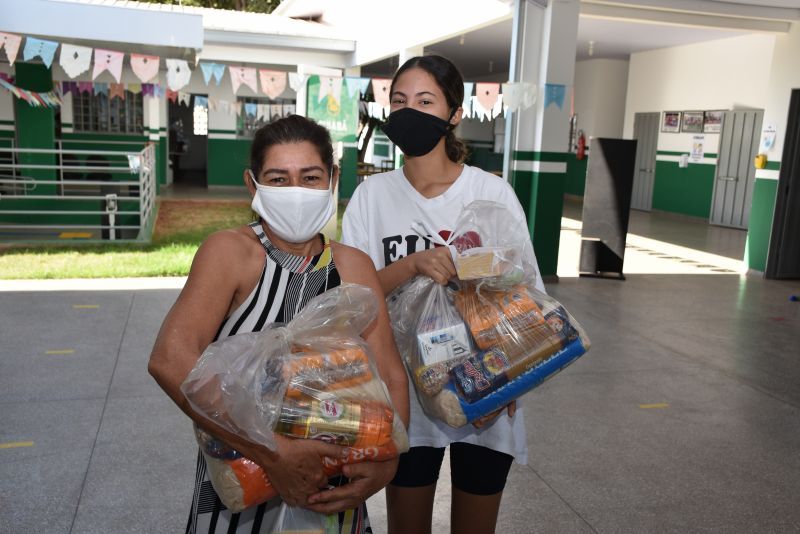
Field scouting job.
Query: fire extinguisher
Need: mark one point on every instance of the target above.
(581, 151)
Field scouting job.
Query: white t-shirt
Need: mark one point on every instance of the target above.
(378, 221)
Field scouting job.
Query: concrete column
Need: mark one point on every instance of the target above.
(536, 142)
(407, 53)
(36, 125)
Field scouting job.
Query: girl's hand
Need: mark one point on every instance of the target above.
(366, 479)
(483, 421)
(436, 263)
(296, 470)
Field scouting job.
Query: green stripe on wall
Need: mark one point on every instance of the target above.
(222, 131)
(760, 226)
(5, 122)
(522, 155)
(542, 198)
(670, 153)
(687, 191)
(773, 166)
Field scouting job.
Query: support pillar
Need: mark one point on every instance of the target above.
(544, 42)
(36, 126)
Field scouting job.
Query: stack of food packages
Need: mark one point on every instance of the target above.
(311, 379)
(479, 343)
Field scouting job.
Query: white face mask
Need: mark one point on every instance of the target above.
(295, 214)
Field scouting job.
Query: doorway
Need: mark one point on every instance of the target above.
(188, 140)
(783, 259)
(735, 174)
(645, 131)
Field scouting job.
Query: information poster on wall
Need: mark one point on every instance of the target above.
(696, 155)
(333, 106)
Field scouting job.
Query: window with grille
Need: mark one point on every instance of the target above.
(256, 112)
(98, 113)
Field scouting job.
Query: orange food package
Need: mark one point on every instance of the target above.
(310, 371)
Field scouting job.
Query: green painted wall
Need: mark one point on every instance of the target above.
(227, 160)
(575, 181)
(760, 227)
(347, 173)
(36, 126)
(687, 191)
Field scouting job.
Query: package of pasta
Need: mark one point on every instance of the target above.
(314, 378)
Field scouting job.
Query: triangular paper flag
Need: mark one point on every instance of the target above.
(554, 94)
(251, 109)
(224, 106)
(11, 43)
(296, 80)
(75, 60)
(172, 95)
(145, 67)
(356, 85)
(212, 104)
(262, 112)
(289, 109)
(201, 101)
(38, 47)
(243, 75)
(100, 88)
(273, 82)
(466, 106)
(275, 112)
(487, 94)
(184, 98)
(217, 70)
(512, 95)
(117, 90)
(380, 89)
(178, 73)
(330, 86)
(107, 60)
(85, 87)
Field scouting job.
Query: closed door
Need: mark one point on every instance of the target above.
(735, 175)
(645, 131)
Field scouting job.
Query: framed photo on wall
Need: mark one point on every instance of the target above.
(692, 122)
(712, 121)
(671, 122)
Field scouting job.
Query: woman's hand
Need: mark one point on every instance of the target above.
(437, 263)
(483, 421)
(366, 479)
(296, 470)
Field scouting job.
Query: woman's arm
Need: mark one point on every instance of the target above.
(436, 263)
(189, 327)
(368, 478)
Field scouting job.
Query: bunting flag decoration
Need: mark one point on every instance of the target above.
(107, 60)
(135, 88)
(236, 108)
(11, 43)
(69, 88)
(554, 94)
(224, 106)
(85, 87)
(356, 84)
(201, 101)
(7, 77)
(178, 73)
(518, 95)
(145, 67)
(147, 89)
(380, 89)
(273, 82)
(39, 48)
(466, 106)
(75, 60)
(243, 75)
(251, 110)
(297, 80)
(48, 99)
(184, 99)
(117, 91)
(487, 95)
(262, 112)
(100, 88)
(159, 91)
(172, 96)
(275, 111)
(217, 70)
(330, 86)
(289, 109)
(212, 104)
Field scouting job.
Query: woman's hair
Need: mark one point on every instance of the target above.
(292, 129)
(450, 81)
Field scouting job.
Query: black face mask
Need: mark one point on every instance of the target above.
(415, 132)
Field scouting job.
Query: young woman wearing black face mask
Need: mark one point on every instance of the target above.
(433, 186)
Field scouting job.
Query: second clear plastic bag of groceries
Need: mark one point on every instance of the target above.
(314, 378)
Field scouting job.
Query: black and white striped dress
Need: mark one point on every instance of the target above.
(286, 285)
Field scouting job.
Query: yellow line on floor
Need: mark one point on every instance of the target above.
(15, 444)
(74, 235)
(654, 406)
(85, 306)
(61, 351)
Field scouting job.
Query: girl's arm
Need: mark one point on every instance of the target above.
(437, 263)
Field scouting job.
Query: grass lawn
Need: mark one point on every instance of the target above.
(180, 228)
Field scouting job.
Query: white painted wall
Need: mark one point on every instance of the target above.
(723, 74)
(600, 89)
(784, 77)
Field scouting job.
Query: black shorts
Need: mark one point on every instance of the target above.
(473, 469)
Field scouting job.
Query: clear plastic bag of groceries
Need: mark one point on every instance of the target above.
(314, 378)
(491, 245)
(296, 520)
(476, 346)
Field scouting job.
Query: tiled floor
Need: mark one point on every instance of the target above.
(683, 417)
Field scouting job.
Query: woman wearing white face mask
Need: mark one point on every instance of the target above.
(245, 278)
